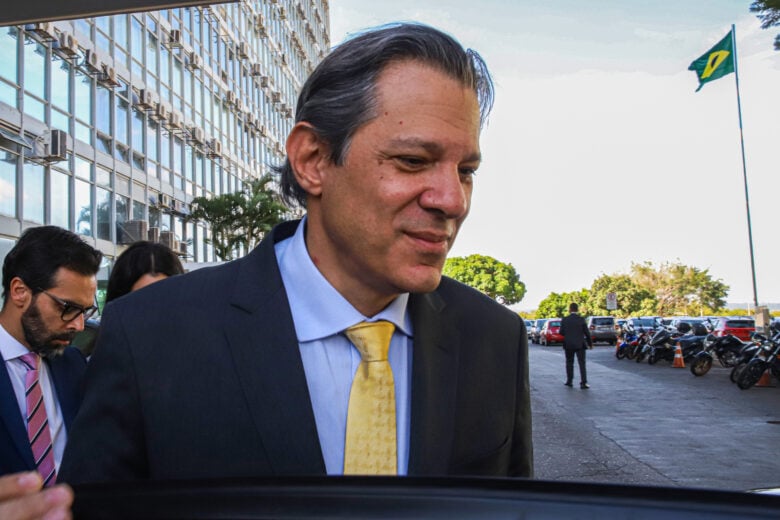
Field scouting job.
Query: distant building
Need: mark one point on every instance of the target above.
(110, 126)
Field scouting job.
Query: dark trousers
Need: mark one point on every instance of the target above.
(570, 365)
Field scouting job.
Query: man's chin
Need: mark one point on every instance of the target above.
(51, 350)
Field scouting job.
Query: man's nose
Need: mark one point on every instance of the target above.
(77, 323)
(449, 193)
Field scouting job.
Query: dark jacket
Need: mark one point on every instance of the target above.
(200, 376)
(574, 330)
(66, 373)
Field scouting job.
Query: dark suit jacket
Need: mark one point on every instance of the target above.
(200, 376)
(574, 330)
(66, 372)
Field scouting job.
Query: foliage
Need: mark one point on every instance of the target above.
(632, 299)
(681, 289)
(769, 14)
(669, 290)
(557, 305)
(240, 219)
(496, 279)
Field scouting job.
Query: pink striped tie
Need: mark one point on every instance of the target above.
(38, 422)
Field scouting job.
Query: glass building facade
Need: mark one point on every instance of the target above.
(110, 126)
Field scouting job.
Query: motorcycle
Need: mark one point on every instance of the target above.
(663, 344)
(765, 358)
(747, 353)
(623, 349)
(725, 349)
(639, 351)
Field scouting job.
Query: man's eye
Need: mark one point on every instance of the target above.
(411, 162)
(468, 171)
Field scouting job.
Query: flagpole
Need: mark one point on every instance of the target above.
(744, 169)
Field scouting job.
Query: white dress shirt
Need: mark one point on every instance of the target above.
(320, 315)
(12, 350)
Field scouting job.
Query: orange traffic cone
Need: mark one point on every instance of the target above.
(766, 379)
(679, 362)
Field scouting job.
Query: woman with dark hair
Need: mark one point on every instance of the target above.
(141, 264)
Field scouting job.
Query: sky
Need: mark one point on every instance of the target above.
(599, 152)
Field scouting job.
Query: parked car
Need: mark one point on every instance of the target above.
(602, 328)
(687, 324)
(533, 334)
(551, 332)
(741, 327)
(641, 324)
(528, 326)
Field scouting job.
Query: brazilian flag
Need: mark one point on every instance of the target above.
(716, 62)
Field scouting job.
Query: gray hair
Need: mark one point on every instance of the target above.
(339, 96)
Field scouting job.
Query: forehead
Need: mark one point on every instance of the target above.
(416, 103)
(74, 287)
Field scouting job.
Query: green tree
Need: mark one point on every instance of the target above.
(239, 219)
(557, 305)
(496, 279)
(769, 14)
(681, 289)
(632, 299)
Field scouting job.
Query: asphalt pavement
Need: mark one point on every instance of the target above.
(651, 425)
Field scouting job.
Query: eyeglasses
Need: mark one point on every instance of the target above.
(71, 311)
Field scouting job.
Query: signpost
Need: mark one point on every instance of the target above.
(611, 301)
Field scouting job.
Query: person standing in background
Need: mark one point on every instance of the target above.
(576, 339)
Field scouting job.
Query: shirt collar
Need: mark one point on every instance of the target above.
(10, 346)
(318, 310)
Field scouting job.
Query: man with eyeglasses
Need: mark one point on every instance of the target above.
(49, 283)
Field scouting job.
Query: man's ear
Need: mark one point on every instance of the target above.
(308, 155)
(19, 295)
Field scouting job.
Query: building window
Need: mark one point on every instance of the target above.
(60, 198)
(8, 161)
(33, 192)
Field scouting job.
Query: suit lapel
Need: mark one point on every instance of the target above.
(66, 374)
(262, 341)
(434, 386)
(12, 423)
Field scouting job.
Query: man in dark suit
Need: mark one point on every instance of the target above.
(576, 339)
(49, 282)
(247, 369)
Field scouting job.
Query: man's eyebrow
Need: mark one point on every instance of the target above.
(431, 147)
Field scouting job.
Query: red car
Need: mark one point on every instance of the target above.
(740, 327)
(551, 333)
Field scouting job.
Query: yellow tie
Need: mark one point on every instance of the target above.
(370, 447)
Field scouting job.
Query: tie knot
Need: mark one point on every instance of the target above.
(30, 360)
(372, 339)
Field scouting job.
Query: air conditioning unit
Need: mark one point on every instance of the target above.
(263, 130)
(181, 207)
(168, 238)
(174, 38)
(260, 23)
(154, 234)
(92, 61)
(175, 120)
(183, 248)
(68, 45)
(145, 99)
(251, 119)
(108, 77)
(198, 135)
(162, 112)
(257, 69)
(195, 61)
(243, 50)
(239, 104)
(57, 148)
(276, 97)
(230, 97)
(265, 81)
(133, 231)
(215, 148)
(44, 30)
(163, 201)
(282, 12)
(283, 59)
